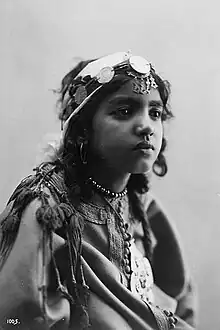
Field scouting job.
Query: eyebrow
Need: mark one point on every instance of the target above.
(132, 100)
(156, 103)
(123, 98)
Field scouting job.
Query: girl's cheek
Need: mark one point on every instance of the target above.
(159, 138)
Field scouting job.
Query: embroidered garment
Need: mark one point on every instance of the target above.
(69, 264)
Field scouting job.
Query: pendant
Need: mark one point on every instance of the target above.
(141, 85)
(153, 82)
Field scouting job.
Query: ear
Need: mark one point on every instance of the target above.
(83, 137)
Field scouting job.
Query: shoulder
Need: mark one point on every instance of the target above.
(39, 202)
(46, 176)
(38, 189)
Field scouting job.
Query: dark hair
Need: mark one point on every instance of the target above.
(74, 170)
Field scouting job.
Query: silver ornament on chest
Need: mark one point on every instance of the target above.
(141, 280)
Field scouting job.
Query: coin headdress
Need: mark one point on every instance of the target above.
(102, 71)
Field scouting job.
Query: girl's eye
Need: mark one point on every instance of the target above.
(155, 114)
(123, 111)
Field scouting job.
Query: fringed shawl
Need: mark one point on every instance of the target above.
(48, 182)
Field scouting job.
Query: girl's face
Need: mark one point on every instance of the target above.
(121, 122)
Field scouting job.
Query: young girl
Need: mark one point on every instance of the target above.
(83, 242)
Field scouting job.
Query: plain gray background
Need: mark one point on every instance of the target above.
(39, 40)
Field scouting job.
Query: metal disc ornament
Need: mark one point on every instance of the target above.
(141, 281)
(105, 75)
(80, 94)
(140, 65)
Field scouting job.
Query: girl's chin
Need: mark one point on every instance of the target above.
(142, 168)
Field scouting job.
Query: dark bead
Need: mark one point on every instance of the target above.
(172, 325)
(127, 251)
(121, 223)
(126, 226)
(173, 321)
(128, 237)
(126, 244)
(168, 313)
(127, 261)
(123, 231)
(127, 269)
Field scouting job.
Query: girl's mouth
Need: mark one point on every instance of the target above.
(144, 145)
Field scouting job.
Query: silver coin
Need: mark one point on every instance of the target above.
(105, 75)
(139, 64)
(80, 94)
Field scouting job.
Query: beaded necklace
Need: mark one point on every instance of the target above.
(105, 191)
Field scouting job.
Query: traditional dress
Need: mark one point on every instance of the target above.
(73, 263)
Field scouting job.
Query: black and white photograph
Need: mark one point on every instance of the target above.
(110, 165)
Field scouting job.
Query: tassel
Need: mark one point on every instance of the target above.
(79, 311)
(47, 216)
(60, 213)
(79, 292)
(27, 182)
(9, 229)
(53, 192)
(80, 314)
(60, 287)
(67, 209)
(11, 223)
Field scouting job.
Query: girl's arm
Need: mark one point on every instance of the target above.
(24, 278)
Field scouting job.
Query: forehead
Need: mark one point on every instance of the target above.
(127, 91)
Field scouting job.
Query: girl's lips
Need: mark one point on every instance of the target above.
(146, 152)
(144, 145)
(144, 148)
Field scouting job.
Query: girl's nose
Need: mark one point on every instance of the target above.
(145, 132)
(144, 127)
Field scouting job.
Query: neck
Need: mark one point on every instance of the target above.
(109, 178)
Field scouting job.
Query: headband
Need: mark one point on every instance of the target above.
(102, 71)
